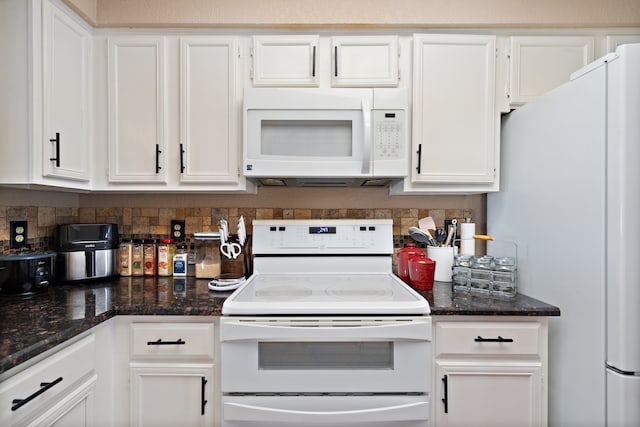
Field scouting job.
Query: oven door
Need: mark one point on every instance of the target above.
(326, 355)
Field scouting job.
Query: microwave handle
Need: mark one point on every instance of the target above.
(368, 146)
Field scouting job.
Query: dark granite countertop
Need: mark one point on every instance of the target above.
(31, 325)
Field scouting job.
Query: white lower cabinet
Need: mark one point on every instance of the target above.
(171, 374)
(490, 372)
(58, 390)
(171, 394)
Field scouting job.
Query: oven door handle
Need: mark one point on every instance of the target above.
(417, 330)
(414, 411)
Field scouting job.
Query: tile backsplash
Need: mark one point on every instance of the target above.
(155, 222)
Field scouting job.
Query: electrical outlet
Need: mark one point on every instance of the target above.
(177, 230)
(18, 233)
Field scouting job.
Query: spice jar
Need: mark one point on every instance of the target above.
(207, 255)
(481, 267)
(150, 258)
(137, 258)
(166, 250)
(180, 261)
(125, 257)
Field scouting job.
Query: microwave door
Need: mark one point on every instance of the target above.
(299, 143)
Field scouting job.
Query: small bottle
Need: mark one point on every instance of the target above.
(180, 261)
(125, 258)
(137, 258)
(150, 258)
(166, 251)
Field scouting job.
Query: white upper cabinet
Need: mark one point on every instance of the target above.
(65, 99)
(541, 63)
(285, 60)
(370, 61)
(45, 117)
(312, 61)
(455, 124)
(137, 109)
(209, 136)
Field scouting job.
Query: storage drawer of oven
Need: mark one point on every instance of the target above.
(283, 410)
(487, 338)
(172, 340)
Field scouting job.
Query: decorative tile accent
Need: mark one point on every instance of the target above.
(155, 222)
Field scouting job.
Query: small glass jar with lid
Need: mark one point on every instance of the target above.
(207, 255)
(504, 274)
(481, 271)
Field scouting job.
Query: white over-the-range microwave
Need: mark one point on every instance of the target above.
(325, 137)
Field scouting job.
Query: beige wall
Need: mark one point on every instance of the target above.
(414, 13)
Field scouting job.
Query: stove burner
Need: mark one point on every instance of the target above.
(283, 292)
(361, 293)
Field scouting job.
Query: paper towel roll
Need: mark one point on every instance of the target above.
(467, 246)
(467, 230)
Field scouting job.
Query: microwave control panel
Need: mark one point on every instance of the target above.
(388, 134)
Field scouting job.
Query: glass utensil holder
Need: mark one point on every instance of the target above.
(487, 274)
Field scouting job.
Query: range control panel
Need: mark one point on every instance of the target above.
(323, 237)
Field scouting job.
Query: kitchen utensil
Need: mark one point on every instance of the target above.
(441, 236)
(449, 238)
(426, 224)
(422, 273)
(482, 237)
(230, 250)
(421, 236)
(242, 231)
(454, 225)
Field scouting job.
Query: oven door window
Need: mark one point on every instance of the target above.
(325, 356)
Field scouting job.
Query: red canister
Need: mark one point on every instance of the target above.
(404, 255)
(422, 272)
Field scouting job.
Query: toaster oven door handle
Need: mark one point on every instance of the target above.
(90, 263)
(368, 146)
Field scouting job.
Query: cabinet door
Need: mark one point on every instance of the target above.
(285, 60)
(209, 106)
(65, 100)
(364, 61)
(171, 395)
(541, 63)
(488, 394)
(455, 126)
(137, 109)
(76, 409)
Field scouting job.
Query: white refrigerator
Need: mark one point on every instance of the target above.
(570, 198)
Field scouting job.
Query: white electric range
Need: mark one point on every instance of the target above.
(323, 332)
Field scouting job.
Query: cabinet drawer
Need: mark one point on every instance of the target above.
(487, 338)
(172, 340)
(46, 382)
